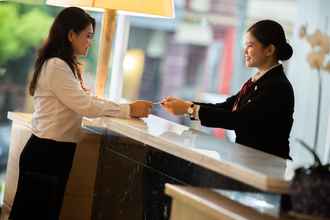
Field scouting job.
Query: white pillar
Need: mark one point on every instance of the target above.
(119, 51)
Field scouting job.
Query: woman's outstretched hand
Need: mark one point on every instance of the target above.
(175, 106)
(140, 108)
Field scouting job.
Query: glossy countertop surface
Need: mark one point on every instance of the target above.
(258, 169)
(226, 204)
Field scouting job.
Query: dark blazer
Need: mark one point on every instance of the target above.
(263, 119)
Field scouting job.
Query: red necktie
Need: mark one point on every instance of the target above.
(244, 90)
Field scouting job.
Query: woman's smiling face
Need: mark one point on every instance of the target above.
(255, 53)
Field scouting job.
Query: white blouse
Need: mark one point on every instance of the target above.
(60, 103)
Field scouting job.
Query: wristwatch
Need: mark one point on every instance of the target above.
(190, 110)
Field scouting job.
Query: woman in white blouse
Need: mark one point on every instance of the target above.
(60, 101)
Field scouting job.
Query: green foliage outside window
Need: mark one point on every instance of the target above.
(20, 32)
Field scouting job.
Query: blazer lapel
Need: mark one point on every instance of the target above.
(257, 85)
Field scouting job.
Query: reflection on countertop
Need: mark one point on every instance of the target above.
(266, 203)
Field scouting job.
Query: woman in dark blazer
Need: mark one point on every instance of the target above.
(261, 112)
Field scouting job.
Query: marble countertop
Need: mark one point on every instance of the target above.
(253, 167)
(258, 169)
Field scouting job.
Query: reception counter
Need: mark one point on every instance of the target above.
(121, 167)
(257, 169)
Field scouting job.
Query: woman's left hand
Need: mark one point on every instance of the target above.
(140, 108)
(175, 105)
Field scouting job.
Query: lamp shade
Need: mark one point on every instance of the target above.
(161, 8)
(36, 2)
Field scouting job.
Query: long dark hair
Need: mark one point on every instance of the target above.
(58, 45)
(269, 32)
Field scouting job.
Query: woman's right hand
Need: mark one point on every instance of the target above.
(175, 106)
(140, 108)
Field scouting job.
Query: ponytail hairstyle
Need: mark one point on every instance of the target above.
(269, 32)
